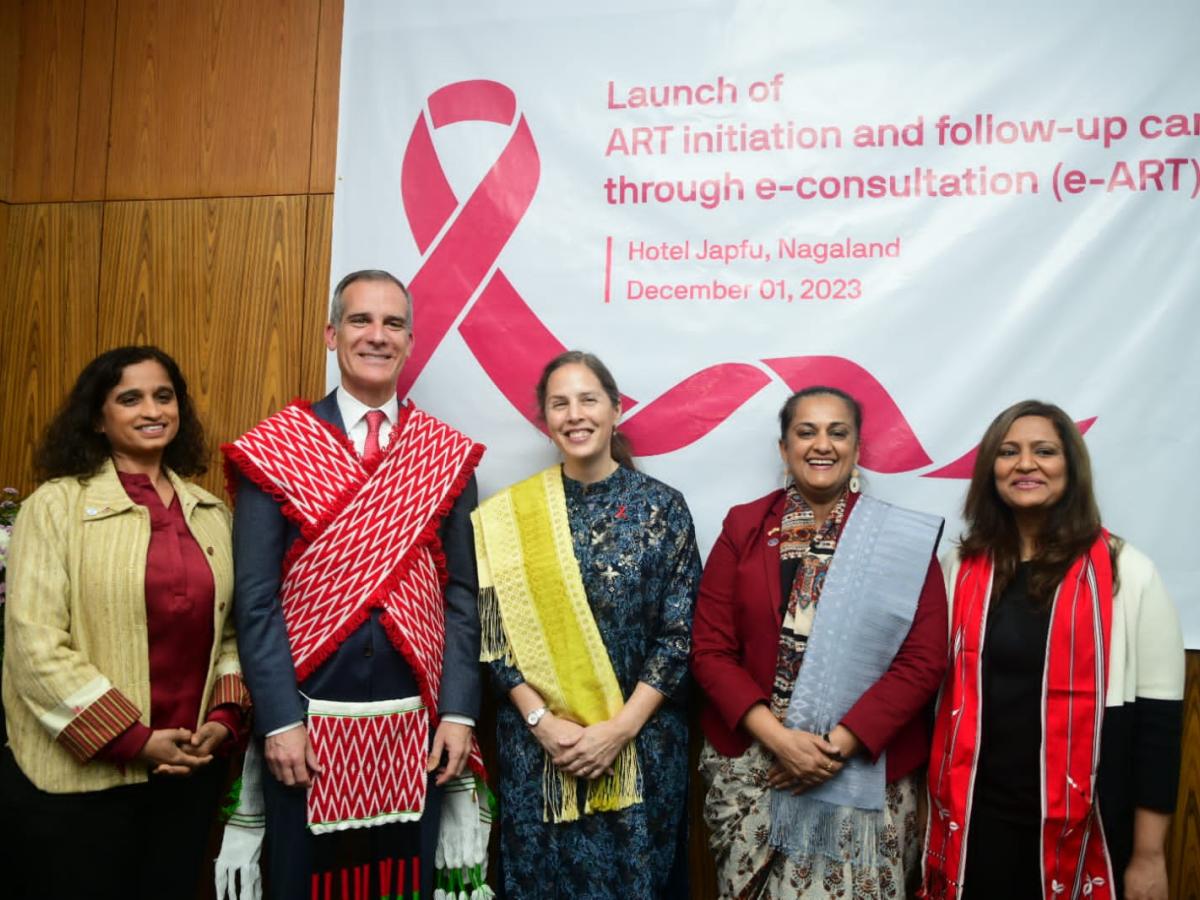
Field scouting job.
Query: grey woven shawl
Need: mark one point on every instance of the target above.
(865, 611)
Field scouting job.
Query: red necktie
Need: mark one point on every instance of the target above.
(371, 449)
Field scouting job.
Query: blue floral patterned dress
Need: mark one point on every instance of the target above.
(636, 549)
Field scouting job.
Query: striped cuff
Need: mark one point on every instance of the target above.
(125, 748)
(230, 689)
(98, 723)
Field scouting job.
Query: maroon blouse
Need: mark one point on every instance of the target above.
(179, 625)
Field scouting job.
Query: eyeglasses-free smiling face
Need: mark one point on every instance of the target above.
(373, 340)
(820, 449)
(1031, 467)
(580, 418)
(140, 416)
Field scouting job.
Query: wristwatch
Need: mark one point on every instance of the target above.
(535, 716)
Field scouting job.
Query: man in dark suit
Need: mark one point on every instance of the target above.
(370, 328)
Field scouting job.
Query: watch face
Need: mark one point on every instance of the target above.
(535, 716)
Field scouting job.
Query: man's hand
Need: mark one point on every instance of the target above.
(290, 757)
(454, 741)
(169, 752)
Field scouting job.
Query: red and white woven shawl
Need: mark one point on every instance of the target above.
(369, 532)
(1075, 859)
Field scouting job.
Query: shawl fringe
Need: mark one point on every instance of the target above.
(620, 790)
(836, 832)
(494, 642)
(329, 646)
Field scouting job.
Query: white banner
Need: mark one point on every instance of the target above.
(942, 210)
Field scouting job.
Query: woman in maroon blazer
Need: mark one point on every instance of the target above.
(814, 770)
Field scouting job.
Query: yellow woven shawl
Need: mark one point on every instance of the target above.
(536, 616)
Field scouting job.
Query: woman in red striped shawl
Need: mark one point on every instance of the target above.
(1056, 748)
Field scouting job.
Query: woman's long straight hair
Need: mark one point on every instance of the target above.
(1069, 528)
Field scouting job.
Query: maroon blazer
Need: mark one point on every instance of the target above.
(735, 645)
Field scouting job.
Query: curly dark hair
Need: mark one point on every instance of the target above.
(71, 445)
(1070, 527)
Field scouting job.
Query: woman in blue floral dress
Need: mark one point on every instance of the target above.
(593, 754)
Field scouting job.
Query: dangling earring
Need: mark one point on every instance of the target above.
(855, 484)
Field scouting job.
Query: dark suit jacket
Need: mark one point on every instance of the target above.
(365, 666)
(735, 646)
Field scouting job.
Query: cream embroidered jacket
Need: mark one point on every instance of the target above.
(76, 663)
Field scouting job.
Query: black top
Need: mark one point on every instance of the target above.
(1008, 783)
(1139, 741)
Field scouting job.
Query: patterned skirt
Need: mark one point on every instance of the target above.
(737, 810)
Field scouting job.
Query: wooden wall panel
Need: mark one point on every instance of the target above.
(47, 319)
(212, 98)
(318, 249)
(7, 300)
(325, 101)
(10, 54)
(47, 106)
(1183, 845)
(218, 284)
(95, 98)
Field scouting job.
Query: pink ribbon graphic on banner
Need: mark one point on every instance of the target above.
(461, 244)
